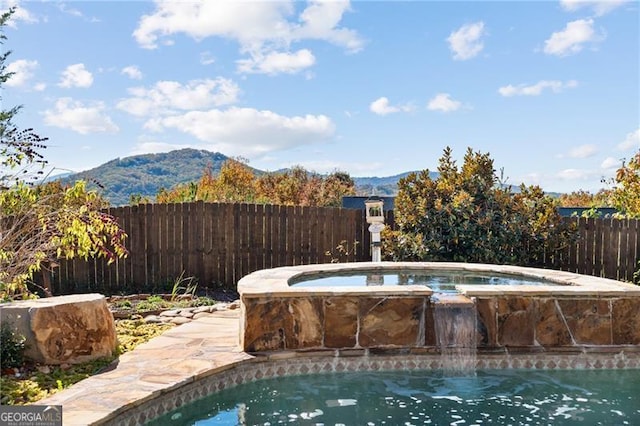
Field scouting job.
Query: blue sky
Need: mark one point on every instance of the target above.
(551, 89)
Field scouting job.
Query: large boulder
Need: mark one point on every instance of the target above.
(64, 329)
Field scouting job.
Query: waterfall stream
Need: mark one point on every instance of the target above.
(455, 320)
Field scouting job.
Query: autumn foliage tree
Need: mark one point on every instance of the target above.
(236, 182)
(465, 216)
(625, 196)
(583, 198)
(42, 223)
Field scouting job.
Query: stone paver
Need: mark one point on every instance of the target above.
(180, 355)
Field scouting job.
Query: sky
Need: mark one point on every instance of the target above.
(550, 89)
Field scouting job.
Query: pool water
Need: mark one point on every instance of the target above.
(438, 281)
(486, 397)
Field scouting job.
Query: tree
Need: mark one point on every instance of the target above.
(236, 182)
(585, 199)
(465, 216)
(625, 195)
(41, 223)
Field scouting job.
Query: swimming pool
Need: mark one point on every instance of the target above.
(437, 281)
(499, 397)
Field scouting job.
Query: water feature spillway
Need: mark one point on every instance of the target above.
(561, 311)
(455, 325)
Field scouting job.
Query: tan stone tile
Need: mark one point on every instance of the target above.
(390, 321)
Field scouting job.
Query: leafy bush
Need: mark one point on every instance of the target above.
(12, 347)
(464, 215)
(625, 195)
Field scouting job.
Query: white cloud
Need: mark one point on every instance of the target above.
(381, 107)
(166, 97)
(582, 151)
(575, 174)
(443, 102)
(330, 166)
(84, 119)
(277, 62)
(321, 20)
(206, 58)
(70, 11)
(132, 72)
(23, 72)
(20, 13)
(465, 43)
(247, 131)
(76, 75)
(64, 8)
(39, 87)
(632, 141)
(153, 147)
(599, 7)
(536, 89)
(572, 39)
(261, 28)
(610, 163)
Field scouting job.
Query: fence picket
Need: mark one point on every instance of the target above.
(598, 267)
(625, 266)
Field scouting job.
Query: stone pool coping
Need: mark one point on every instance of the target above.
(193, 360)
(275, 281)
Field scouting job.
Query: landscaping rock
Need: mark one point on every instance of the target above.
(186, 313)
(207, 309)
(179, 320)
(64, 329)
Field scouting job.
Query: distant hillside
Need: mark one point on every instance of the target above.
(382, 186)
(147, 174)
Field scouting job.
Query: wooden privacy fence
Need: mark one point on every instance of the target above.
(220, 243)
(217, 243)
(608, 248)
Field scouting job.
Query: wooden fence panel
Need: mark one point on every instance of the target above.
(269, 234)
(589, 258)
(208, 255)
(255, 233)
(125, 265)
(243, 267)
(614, 248)
(627, 248)
(632, 245)
(598, 269)
(219, 243)
(152, 245)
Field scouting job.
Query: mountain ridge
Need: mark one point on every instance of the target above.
(146, 174)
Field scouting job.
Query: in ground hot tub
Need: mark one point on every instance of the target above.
(538, 310)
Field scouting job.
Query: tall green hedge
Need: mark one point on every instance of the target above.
(467, 215)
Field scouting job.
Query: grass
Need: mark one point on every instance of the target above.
(40, 381)
(156, 303)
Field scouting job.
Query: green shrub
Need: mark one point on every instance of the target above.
(465, 215)
(12, 347)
